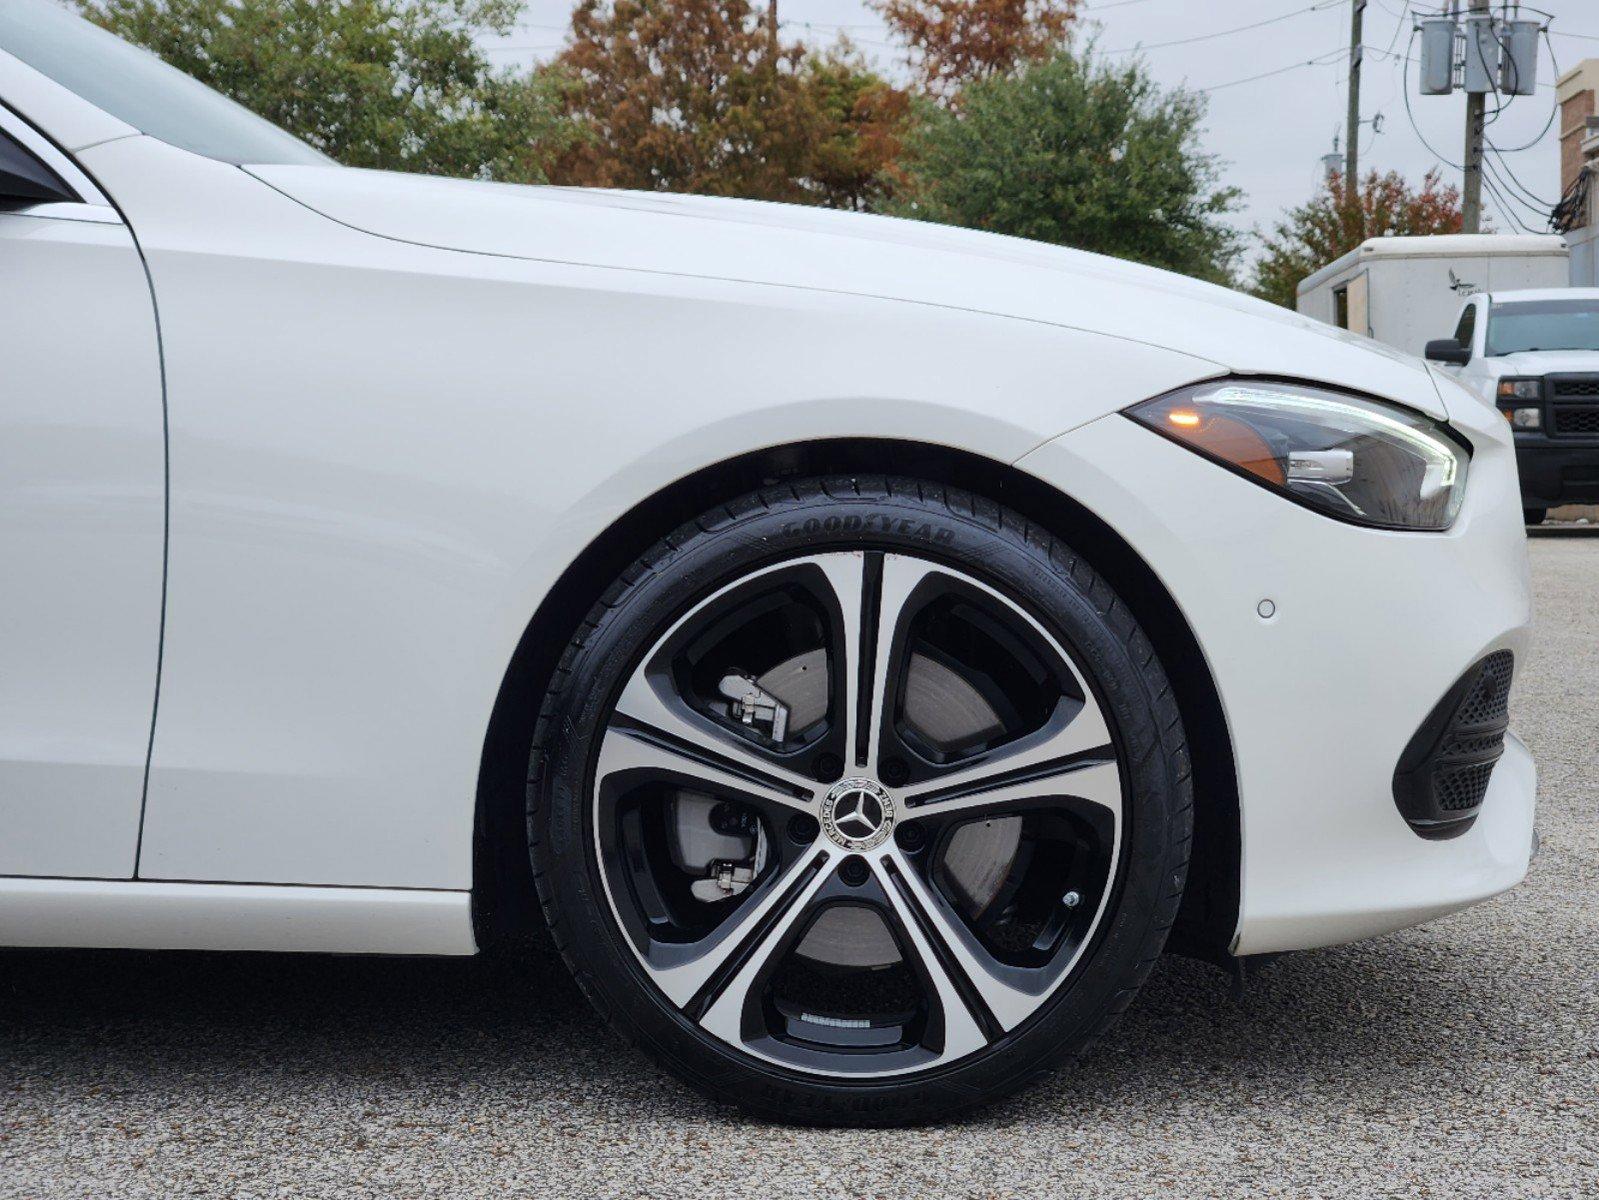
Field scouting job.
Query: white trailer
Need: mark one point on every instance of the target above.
(1405, 291)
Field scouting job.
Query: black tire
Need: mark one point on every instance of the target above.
(1534, 516)
(901, 517)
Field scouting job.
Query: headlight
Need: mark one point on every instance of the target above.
(1360, 460)
(1523, 418)
(1519, 389)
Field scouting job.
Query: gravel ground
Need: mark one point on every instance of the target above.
(1456, 1060)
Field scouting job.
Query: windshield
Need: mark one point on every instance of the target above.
(135, 86)
(1543, 325)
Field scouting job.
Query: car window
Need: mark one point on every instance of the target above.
(25, 180)
(1543, 325)
(135, 86)
(1467, 327)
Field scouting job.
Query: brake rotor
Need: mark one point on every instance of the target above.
(944, 708)
(801, 684)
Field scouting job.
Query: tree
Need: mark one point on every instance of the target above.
(687, 95)
(1336, 220)
(854, 163)
(956, 42)
(1080, 153)
(399, 84)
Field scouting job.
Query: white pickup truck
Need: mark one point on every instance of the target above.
(1534, 354)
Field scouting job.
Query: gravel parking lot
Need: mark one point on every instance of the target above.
(1457, 1060)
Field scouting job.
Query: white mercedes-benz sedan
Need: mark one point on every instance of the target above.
(862, 645)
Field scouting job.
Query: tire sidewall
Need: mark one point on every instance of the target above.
(1057, 588)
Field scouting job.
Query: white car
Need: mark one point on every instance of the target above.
(1534, 354)
(866, 645)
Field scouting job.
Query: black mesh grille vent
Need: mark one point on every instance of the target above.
(1489, 698)
(1575, 387)
(1462, 788)
(1576, 419)
(1443, 775)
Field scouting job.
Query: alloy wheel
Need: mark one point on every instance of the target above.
(857, 814)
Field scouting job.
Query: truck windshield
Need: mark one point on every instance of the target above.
(1543, 325)
(137, 87)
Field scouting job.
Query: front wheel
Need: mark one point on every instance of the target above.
(860, 801)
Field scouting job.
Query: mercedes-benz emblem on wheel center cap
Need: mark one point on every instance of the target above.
(857, 814)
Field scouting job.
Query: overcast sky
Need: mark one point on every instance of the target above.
(1271, 132)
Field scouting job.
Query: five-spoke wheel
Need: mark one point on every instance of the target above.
(855, 812)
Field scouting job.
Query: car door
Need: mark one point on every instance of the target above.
(82, 500)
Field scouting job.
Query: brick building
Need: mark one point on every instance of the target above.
(1577, 93)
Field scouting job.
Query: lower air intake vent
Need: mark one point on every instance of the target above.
(1443, 774)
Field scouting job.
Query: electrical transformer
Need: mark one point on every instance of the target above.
(1437, 55)
(1518, 65)
(1481, 72)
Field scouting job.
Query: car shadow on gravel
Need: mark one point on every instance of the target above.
(76, 1021)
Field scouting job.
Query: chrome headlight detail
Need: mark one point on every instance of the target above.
(1360, 460)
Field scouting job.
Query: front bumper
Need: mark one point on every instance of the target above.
(1554, 474)
(1370, 630)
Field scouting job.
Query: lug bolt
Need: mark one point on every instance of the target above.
(895, 772)
(828, 767)
(910, 837)
(803, 829)
(854, 871)
(1071, 899)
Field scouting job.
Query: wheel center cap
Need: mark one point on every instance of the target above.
(857, 814)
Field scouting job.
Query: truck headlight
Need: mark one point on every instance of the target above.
(1357, 459)
(1519, 389)
(1523, 417)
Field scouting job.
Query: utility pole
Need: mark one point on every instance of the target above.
(771, 31)
(1352, 123)
(1476, 106)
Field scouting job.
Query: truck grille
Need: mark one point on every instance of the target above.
(1575, 420)
(1564, 387)
(1574, 405)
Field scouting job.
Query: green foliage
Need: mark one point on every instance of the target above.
(1075, 151)
(397, 84)
(697, 95)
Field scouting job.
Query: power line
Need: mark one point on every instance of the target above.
(1398, 24)
(1220, 33)
(1505, 209)
(1513, 184)
(1405, 90)
(1320, 61)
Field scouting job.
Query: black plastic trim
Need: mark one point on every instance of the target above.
(1455, 738)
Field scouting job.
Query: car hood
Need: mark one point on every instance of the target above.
(793, 246)
(1543, 362)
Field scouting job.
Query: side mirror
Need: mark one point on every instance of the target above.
(1447, 350)
(25, 180)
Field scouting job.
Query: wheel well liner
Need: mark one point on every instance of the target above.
(505, 908)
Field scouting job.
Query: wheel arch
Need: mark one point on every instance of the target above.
(504, 903)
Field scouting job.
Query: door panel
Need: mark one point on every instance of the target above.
(82, 463)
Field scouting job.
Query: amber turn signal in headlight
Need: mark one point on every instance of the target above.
(1519, 389)
(1351, 457)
